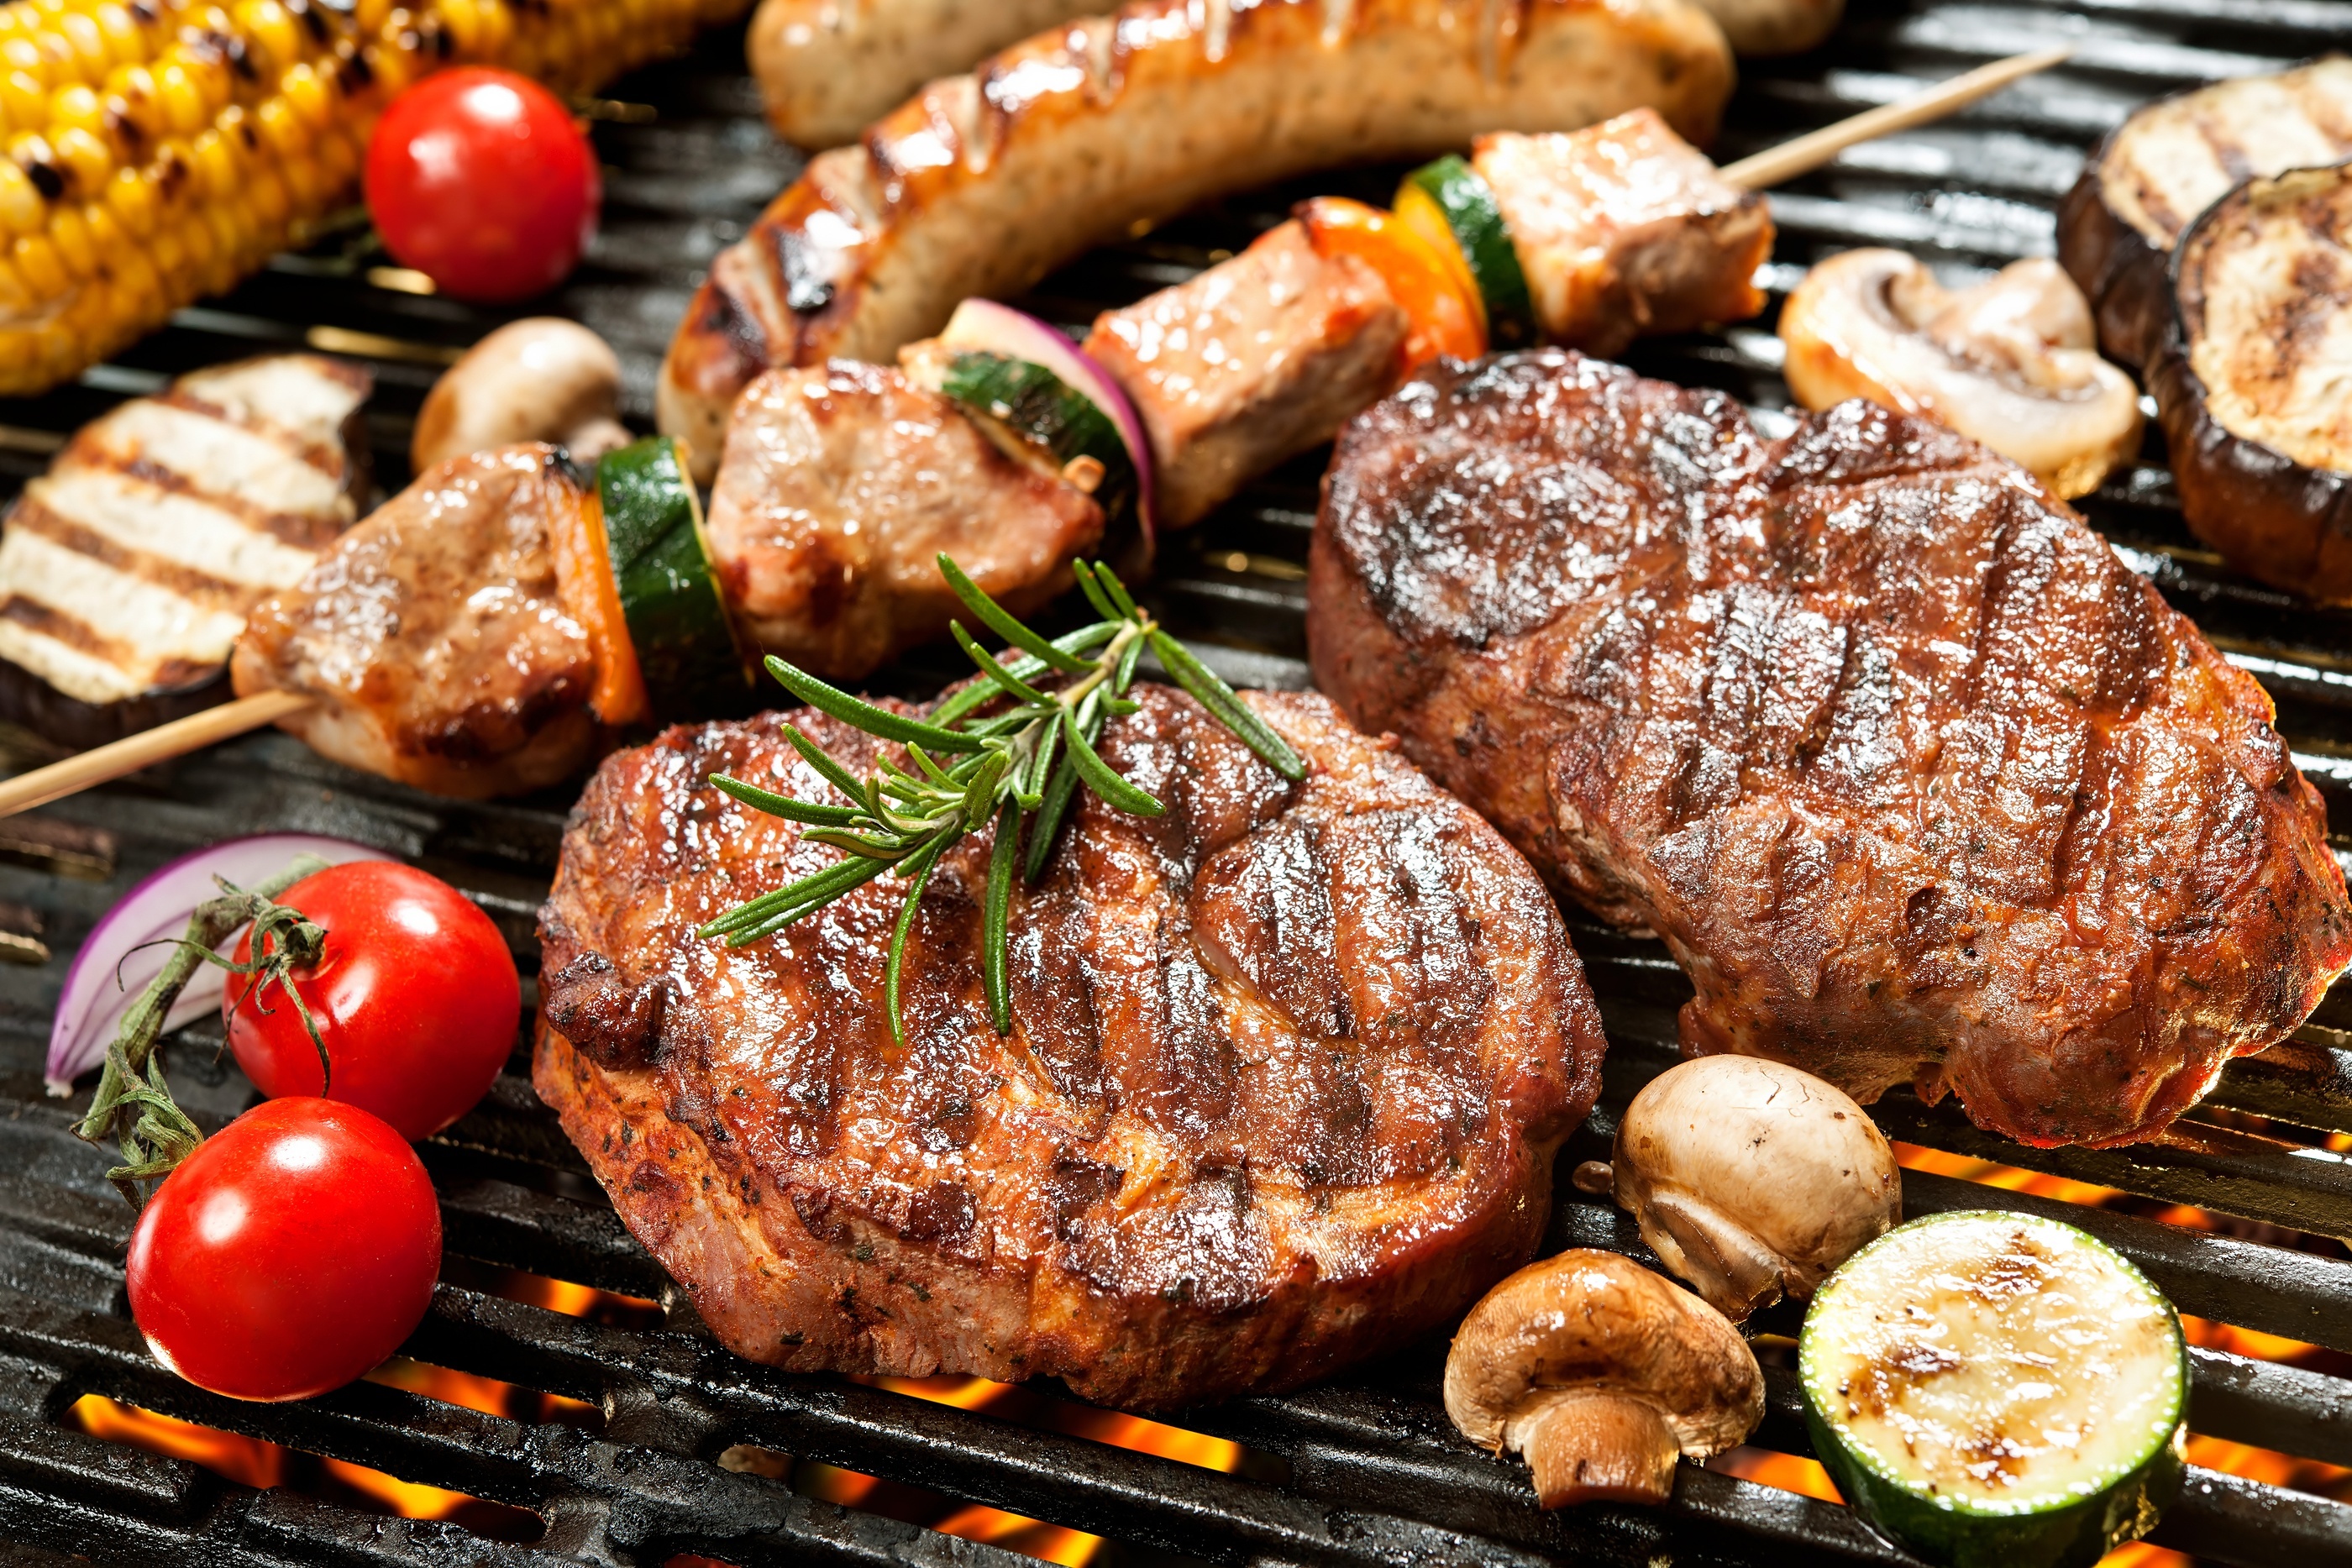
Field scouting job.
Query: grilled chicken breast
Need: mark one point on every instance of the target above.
(126, 571)
(1288, 1067)
(841, 486)
(435, 634)
(1255, 361)
(1919, 783)
(2147, 181)
(1624, 228)
(981, 184)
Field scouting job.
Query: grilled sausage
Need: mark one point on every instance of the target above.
(828, 68)
(984, 184)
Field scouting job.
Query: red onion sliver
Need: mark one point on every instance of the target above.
(983, 324)
(91, 1007)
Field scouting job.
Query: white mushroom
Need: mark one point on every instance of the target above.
(1751, 1179)
(1601, 1373)
(2008, 361)
(540, 379)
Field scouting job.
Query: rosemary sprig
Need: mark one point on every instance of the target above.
(1011, 748)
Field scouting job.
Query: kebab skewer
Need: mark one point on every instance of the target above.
(471, 702)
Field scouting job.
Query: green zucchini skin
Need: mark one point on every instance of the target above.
(1046, 412)
(678, 618)
(1953, 1533)
(1471, 211)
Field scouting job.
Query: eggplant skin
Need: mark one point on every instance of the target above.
(2172, 159)
(2117, 270)
(2279, 520)
(30, 702)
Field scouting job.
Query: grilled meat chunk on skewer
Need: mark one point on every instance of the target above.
(127, 569)
(1919, 784)
(1288, 1066)
(841, 486)
(1624, 228)
(436, 637)
(1255, 361)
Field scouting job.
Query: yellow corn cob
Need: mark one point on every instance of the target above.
(154, 151)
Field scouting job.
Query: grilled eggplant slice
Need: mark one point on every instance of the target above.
(2248, 381)
(2170, 162)
(126, 571)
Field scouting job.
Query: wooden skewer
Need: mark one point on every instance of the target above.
(1816, 147)
(1786, 162)
(131, 753)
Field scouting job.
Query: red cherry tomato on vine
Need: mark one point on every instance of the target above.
(480, 180)
(414, 995)
(293, 1251)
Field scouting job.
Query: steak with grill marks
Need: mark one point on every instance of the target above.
(1919, 783)
(1288, 1067)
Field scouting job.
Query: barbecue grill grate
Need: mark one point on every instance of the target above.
(1362, 1470)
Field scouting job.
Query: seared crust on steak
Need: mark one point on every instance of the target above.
(1289, 1069)
(1917, 782)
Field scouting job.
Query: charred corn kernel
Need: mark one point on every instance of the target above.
(25, 99)
(269, 26)
(22, 210)
(213, 158)
(310, 96)
(70, 235)
(85, 157)
(91, 56)
(281, 132)
(41, 268)
(132, 196)
(133, 88)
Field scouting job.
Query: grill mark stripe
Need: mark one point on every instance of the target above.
(197, 586)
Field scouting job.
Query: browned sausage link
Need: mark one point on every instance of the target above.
(984, 184)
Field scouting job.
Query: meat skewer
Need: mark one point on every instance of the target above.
(1067, 536)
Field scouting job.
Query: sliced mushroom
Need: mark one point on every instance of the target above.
(540, 379)
(1751, 1179)
(2008, 363)
(1600, 1372)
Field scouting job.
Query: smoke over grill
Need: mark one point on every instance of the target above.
(561, 1403)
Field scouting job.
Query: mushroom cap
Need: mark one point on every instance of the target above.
(2008, 361)
(539, 379)
(1749, 1145)
(1587, 1322)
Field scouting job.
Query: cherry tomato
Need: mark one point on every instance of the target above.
(480, 180)
(294, 1250)
(416, 997)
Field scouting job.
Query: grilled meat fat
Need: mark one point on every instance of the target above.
(2147, 181)
(1288, 1067)
(2250, 384)
(126, 571)
(1919, 783)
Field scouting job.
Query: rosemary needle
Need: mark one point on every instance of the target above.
(1018, 768)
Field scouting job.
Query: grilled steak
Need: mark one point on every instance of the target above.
(1288, 1067)
(1917, 782)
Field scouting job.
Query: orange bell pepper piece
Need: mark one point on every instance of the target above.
(1445, 319)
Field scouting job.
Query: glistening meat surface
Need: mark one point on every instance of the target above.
(1289, 1069)
(1916, 781)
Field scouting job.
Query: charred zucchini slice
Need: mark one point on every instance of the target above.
(1997, 1390)
(1451, 205)
(1050, 417)
(670, 597)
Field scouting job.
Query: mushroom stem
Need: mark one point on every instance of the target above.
(1597, 1447)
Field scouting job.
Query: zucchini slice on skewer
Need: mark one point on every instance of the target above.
(1449, 203)
(1997, 1390)
(669, 593)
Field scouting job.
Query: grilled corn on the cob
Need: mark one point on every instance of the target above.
(153, 151)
